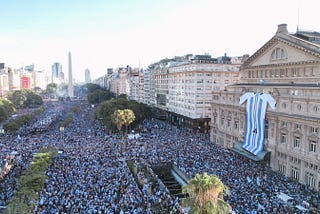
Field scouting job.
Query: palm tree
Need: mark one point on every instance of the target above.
(123, 117)
(206, 195)
(118, 118)
(129, 117)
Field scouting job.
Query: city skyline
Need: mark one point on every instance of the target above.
(103, 34)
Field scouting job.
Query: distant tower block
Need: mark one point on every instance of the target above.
(70, 83)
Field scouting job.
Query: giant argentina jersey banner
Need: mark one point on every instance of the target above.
(256, 110)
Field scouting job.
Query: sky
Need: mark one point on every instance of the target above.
(103, 34)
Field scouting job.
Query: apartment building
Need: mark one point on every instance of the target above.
(120, 83)
(180, 88)
(134, 85)
(287, 67)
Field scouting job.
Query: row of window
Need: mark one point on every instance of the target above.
(309, 178)
(282, 72)
(297, 142)
(298, 127)
(300, 107)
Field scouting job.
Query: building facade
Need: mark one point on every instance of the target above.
(87, 76)
(56, 72)
(288, 68)
(181, 87)
(119, 83)
(4, 80)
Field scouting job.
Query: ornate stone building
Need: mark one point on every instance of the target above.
(288, 68)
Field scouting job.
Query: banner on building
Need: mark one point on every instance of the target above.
(257, 104)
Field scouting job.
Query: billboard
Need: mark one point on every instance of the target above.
(25, 82)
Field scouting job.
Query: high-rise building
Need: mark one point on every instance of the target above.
(56, 70)
(87, 76)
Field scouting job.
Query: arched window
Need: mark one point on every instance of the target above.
(279, 54)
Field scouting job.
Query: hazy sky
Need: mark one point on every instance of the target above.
(114, 33)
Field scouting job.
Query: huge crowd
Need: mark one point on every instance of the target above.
(91, 174)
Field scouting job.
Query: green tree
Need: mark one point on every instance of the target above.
(118, 118)
(31, 183)
(33, 99)
(24, 98)
(106, 109)
(99, 96)
(92, 87)
(6, 109)
(123, 118)
(18, 98)
(206, 195)
(129, 117)
(51, 88)
(124, 96)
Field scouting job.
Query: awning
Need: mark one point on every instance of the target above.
(238, 149)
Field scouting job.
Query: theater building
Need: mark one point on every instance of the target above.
(287, 67)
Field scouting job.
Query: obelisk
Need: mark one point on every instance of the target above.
(70, 81)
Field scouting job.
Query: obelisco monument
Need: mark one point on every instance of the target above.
(70, 80)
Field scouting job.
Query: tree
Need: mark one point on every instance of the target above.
(6, 109)
(24, 98)
(106, 109)
(129, 117)
(51, 88)
(124, 96)
(206, 195)
(98, 96)
(123, 117)
(118, 119)
(92, 87)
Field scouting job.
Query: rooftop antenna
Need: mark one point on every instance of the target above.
(298, 16)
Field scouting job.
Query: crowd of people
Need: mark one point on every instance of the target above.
(91, 172)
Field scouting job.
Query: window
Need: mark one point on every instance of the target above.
(310, 179)
(236, 124)
(299, 107)
(222, 121)
(282, 168)
(278, 54)
(283, 138)
(316, 108)
(314, 130)
(284, 123)
(284, 105)
(312, 146)
(296, 143)
(298, 126)
(295, 173)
